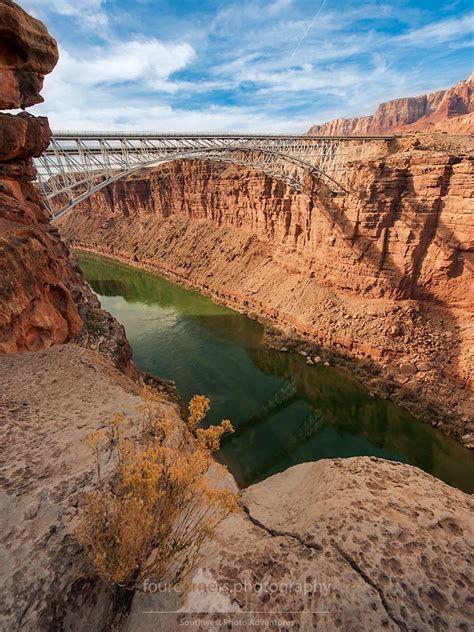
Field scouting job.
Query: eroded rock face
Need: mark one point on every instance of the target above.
(350, 544)
(44, 300)
(384, 273)
(37, 309)
(426, 112)
(23, 136)
(27, 54)
(37, 279)
(407, 212)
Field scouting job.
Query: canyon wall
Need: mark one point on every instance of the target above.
(44, 299)
(444, 110)
(384, 273)
(405, 232)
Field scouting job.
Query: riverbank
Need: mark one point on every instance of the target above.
(279, 335)
(309, 409)
(381, 277)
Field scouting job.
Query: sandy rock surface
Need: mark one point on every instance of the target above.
(49, 402)
(353, 544)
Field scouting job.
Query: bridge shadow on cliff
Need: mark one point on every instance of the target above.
(438, 315)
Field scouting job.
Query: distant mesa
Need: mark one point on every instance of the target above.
(450, 110)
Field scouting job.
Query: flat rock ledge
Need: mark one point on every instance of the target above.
(49, 402)
(345, 544)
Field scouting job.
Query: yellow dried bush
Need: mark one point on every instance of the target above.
(198, 407)
(157, 509)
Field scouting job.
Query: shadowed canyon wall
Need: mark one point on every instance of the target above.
(450, 110)
(383, 273)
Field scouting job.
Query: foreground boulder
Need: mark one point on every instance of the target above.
(349, 544)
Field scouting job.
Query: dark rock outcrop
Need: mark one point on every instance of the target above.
(27, 54)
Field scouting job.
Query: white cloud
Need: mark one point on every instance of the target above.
(145, 117)
(246, 54)
(305, 78)
(248, 11)
(99, 108)
(89, 12)
(439, 32)
(149, 63)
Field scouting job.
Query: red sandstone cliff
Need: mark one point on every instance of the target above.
(43, 297)
(404, 233)
(444, 110)
(384, 273)
(27, 54)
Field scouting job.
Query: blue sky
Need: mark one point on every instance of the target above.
(280, 65)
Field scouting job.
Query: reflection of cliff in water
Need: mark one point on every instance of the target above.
(109, 287)
(112, 278)
(343, 401)
(285, 440)
(285, 411)
(337, 400)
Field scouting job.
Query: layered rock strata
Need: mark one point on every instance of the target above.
(383, 274)
(44, 299)
(444, 110)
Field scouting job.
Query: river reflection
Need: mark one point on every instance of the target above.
(284, 411)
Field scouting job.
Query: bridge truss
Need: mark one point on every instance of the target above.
(78, 164)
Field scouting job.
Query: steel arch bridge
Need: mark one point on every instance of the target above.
(78, 164)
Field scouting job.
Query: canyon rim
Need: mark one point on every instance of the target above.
(104, 465)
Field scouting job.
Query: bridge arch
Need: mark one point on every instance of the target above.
(77, 165)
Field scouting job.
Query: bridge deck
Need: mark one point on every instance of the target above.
(97, 135)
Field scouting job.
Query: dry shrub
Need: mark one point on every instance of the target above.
(157, 510)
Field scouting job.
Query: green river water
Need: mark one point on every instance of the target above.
(284, 411)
